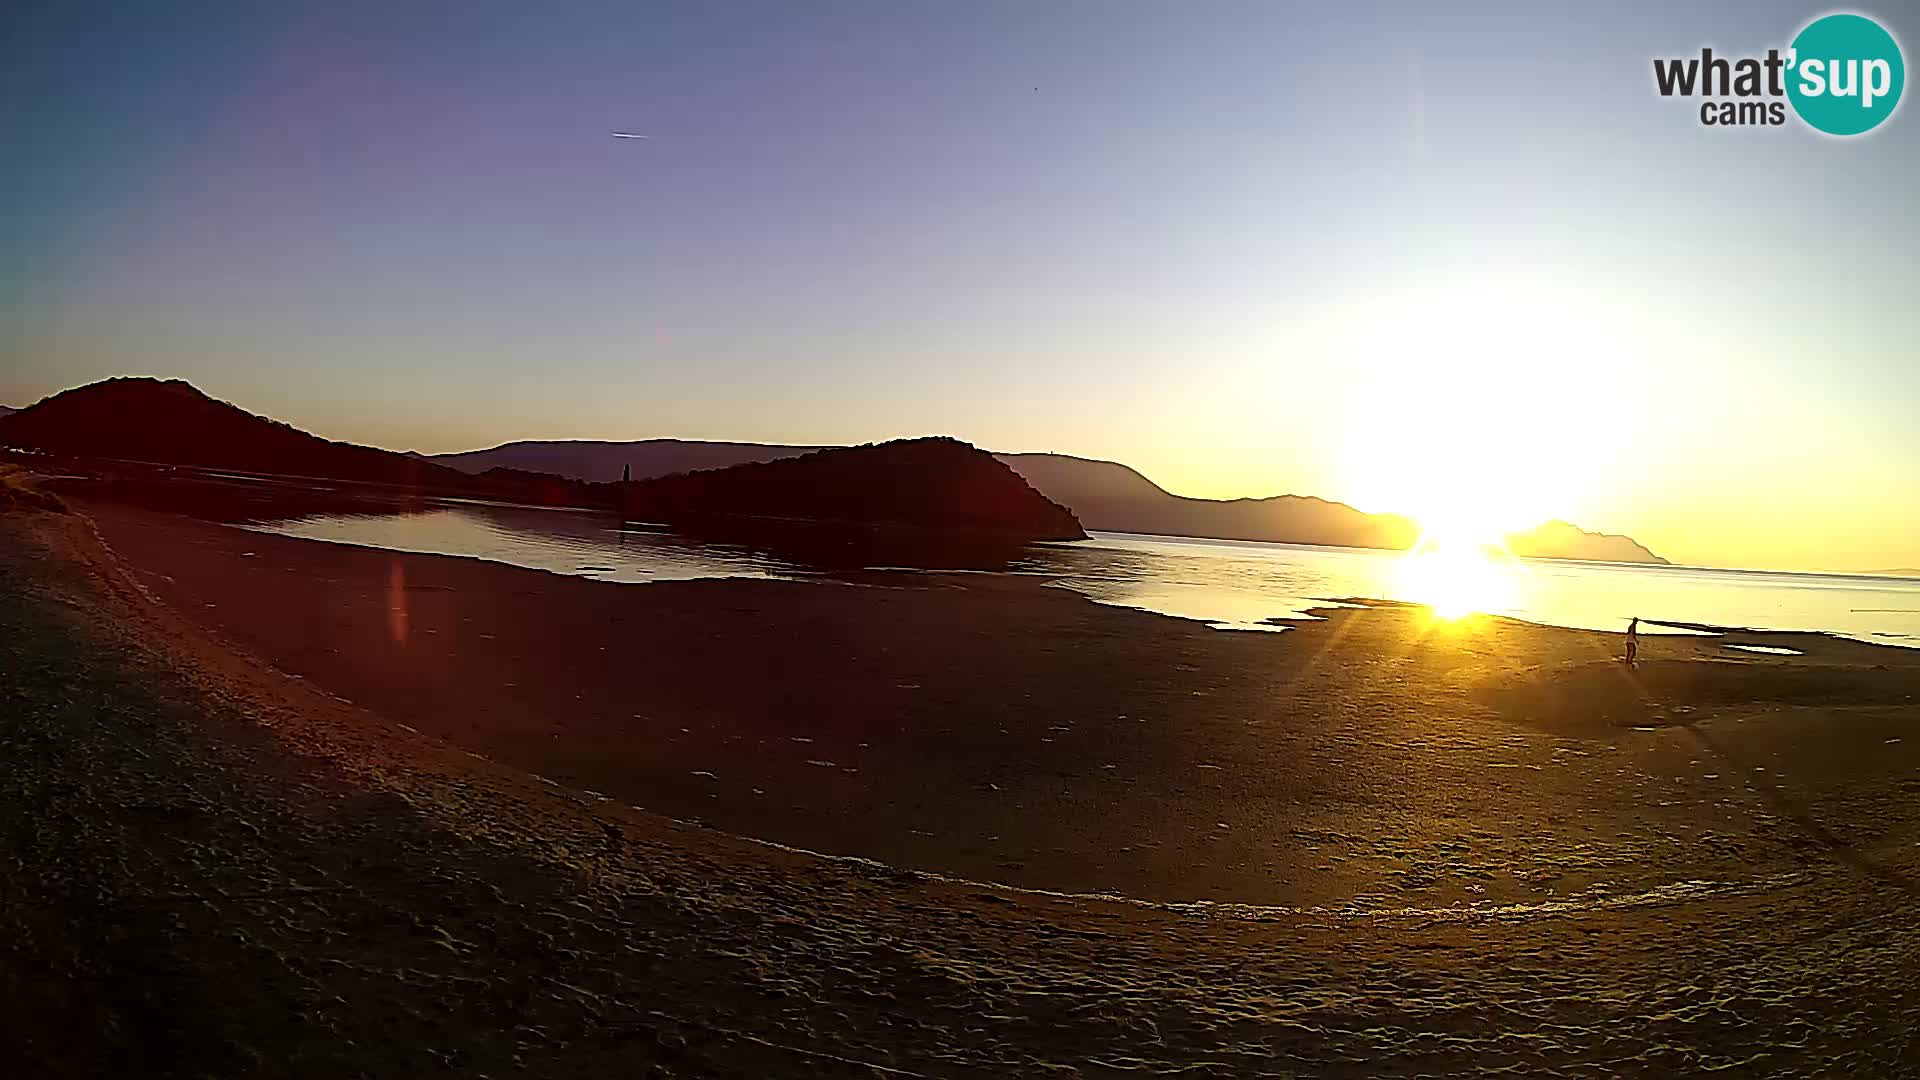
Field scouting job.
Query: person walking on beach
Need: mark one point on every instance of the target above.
(1633, 641)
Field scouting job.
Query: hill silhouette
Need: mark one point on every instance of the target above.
(1109, 495)
(1102, 494)
(933, 483)
(876, 495)
(937, 484)
(1562, 540)
(603, 462)
(172, 422)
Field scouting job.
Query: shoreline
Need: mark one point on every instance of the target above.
(359, 898)
(1296, 608)
(1002, 730)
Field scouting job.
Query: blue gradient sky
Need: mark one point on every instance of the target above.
(1388, 254)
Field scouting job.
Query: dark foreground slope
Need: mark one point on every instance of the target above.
(213, 869)
(933, 484)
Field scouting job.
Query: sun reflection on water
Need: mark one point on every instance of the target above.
(1455, 581)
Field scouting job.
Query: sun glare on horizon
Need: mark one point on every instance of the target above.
(1478, 424)
(1459, 566)
(1474, 409)
(1455, 581)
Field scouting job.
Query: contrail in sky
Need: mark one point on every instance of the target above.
(629, 135)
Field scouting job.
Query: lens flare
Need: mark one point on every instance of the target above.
(1455, 580)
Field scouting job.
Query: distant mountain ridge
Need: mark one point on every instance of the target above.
(599, 461)
(1102, 494)
(1109, 495)
(935, 483)
(909, 498)
(1564, 540)
(145, 419)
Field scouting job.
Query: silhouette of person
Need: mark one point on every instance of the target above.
(1633, 640)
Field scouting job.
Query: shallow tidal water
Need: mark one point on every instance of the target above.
(1232, 585)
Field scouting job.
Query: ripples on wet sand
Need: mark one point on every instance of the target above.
(991, 729)
(301, 888)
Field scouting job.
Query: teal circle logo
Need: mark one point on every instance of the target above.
(1845, 74)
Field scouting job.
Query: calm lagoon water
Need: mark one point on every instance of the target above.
(1229, 584)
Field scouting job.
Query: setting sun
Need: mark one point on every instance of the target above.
(1460, 416)
(953, 538)
(1455, 581)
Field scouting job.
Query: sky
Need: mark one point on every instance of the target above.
(1409, 256)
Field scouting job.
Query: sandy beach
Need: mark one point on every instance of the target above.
(993, 729)
(292, 808)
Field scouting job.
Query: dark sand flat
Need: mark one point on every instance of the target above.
(997, 730)
(219, 867)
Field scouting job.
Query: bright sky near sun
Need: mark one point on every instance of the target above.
(1441, 259)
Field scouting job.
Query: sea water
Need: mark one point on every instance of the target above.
(1232, 585)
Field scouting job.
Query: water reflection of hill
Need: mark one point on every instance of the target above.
(730, 543)
(836, 547)
(932, 502)
(234, 498)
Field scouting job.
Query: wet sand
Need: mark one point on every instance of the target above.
(993, 729)
(230, 870)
